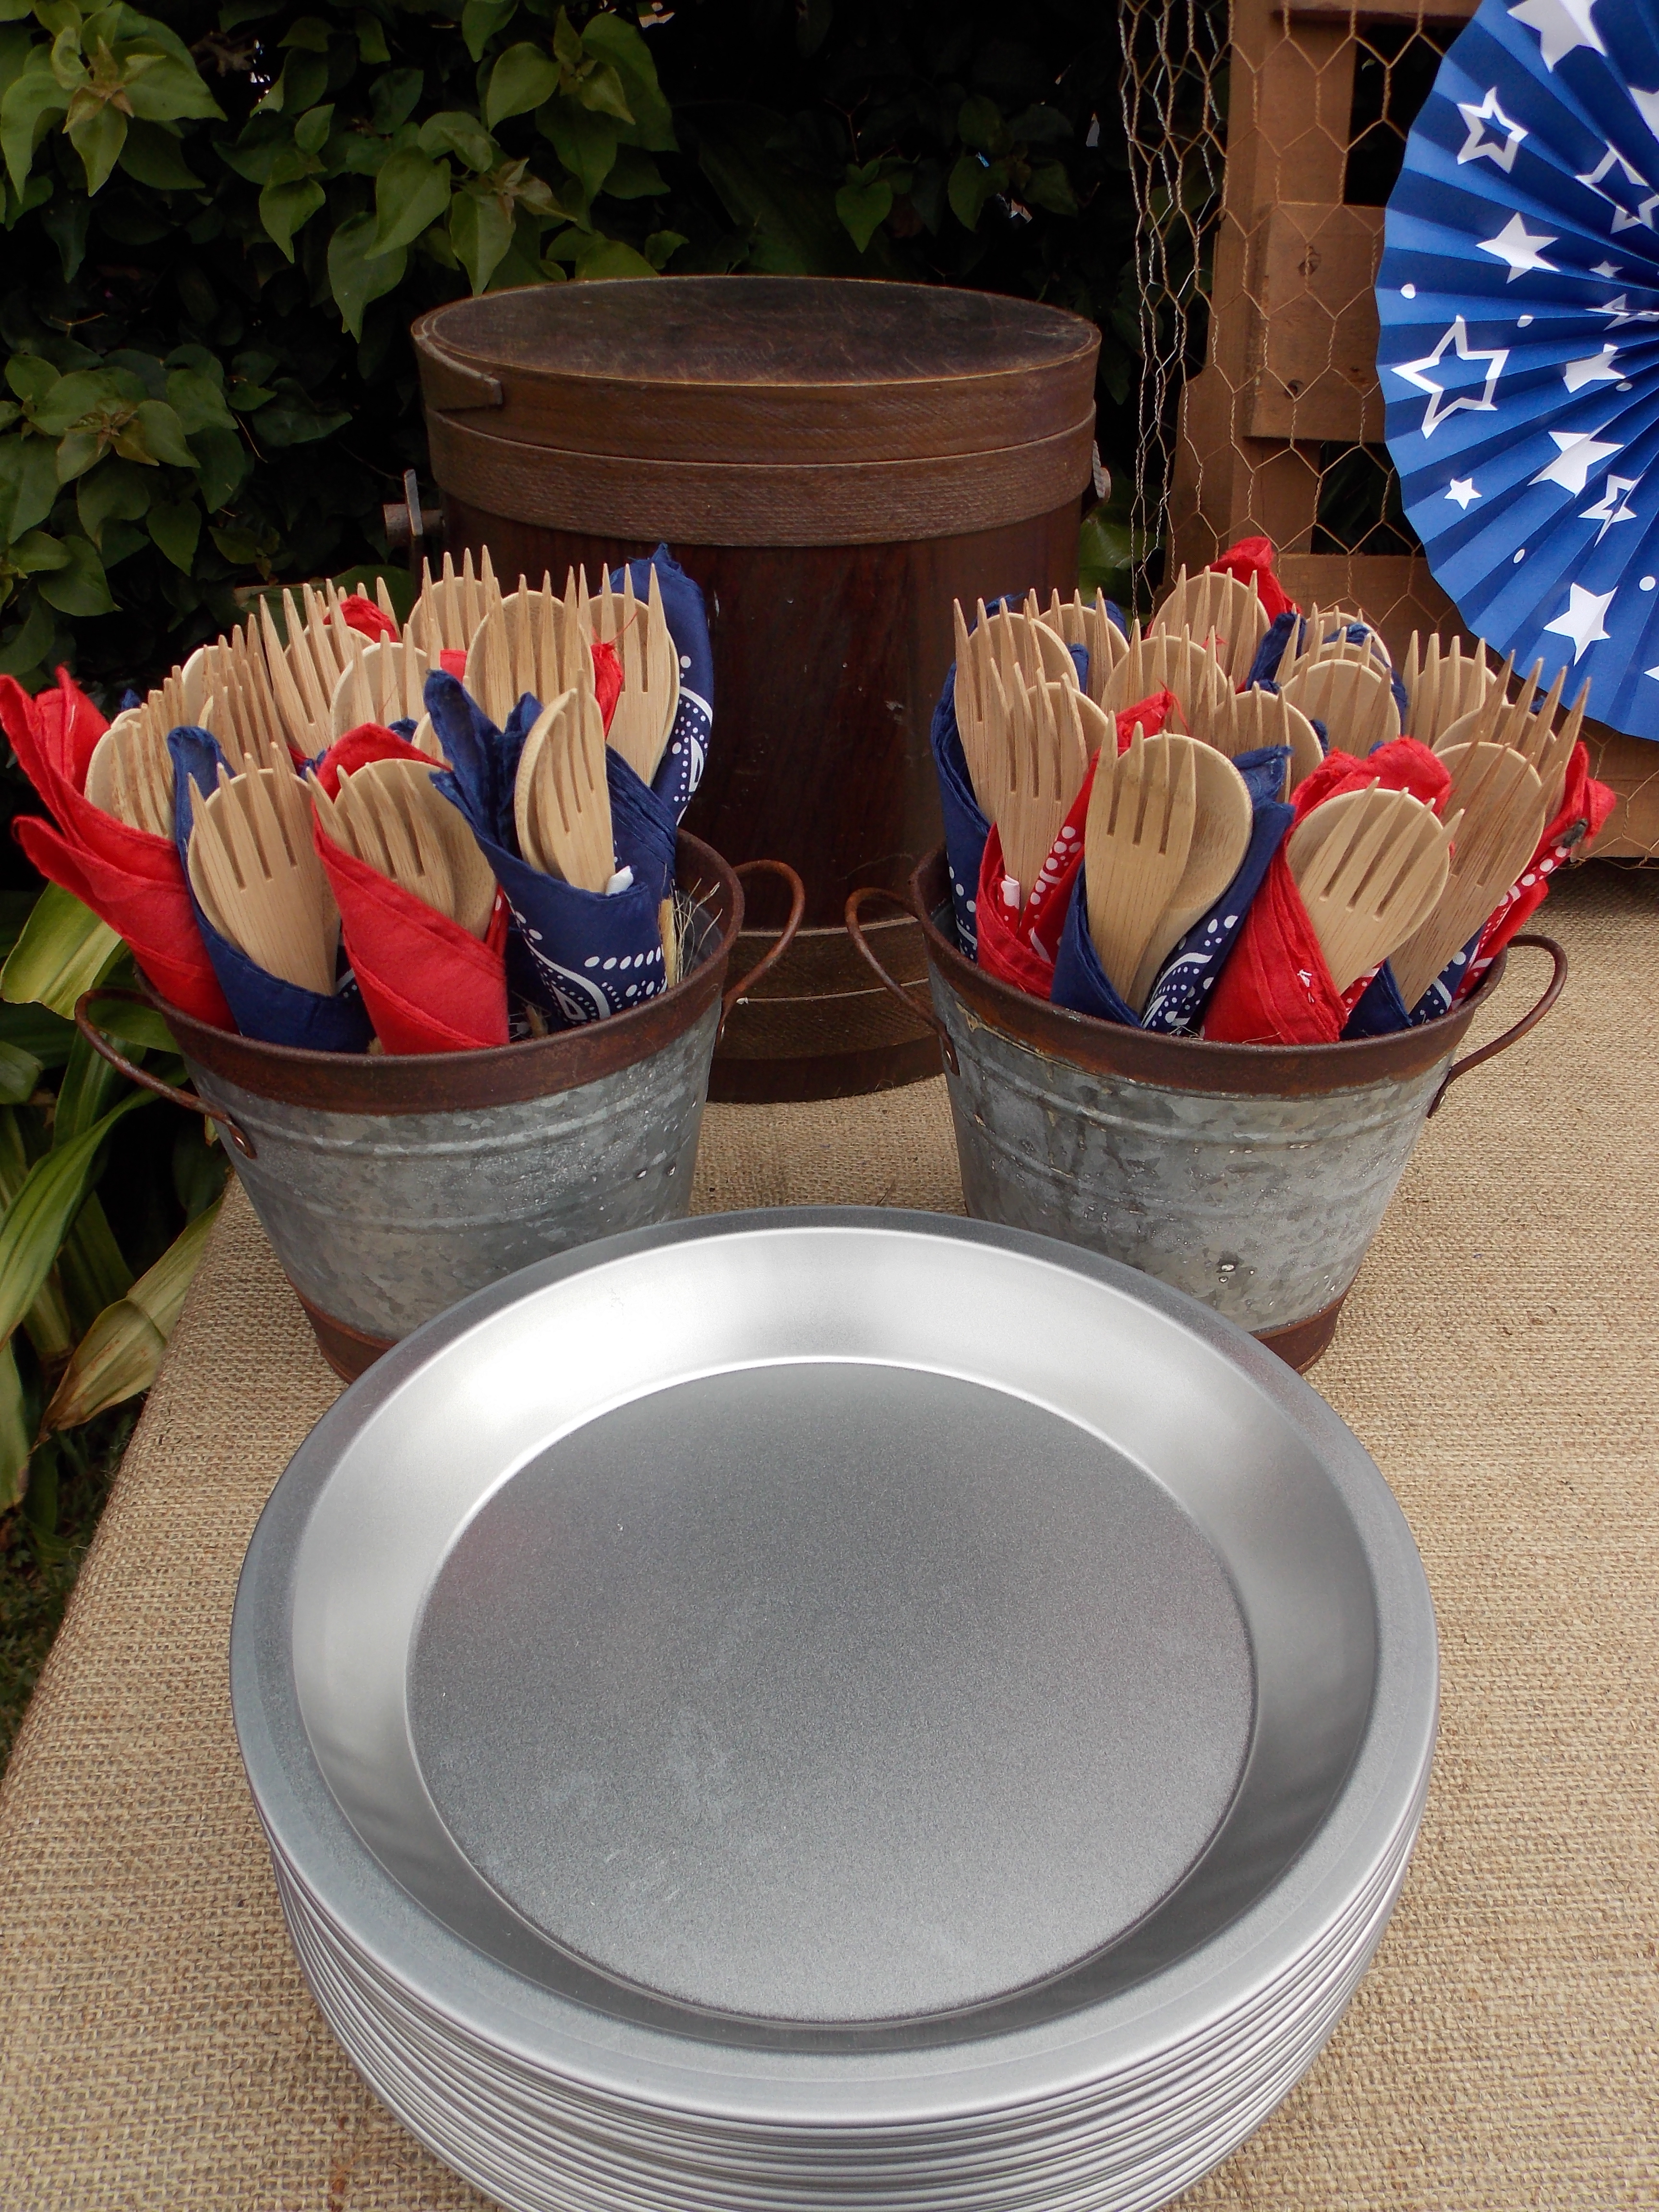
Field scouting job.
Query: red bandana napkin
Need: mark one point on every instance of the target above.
(1585, 807)
(1254, 556)
(1275, 988)
(362, 615)
(429, 985)
(130, 879)
(1016, 947)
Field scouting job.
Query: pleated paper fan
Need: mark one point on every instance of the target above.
(1519, 302)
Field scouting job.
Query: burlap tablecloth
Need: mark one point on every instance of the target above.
(158, 2048)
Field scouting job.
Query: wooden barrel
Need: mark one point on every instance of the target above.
(835, 462)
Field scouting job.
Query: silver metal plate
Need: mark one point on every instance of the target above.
(828, 1671)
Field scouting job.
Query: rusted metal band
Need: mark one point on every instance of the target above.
(763, 503)
(1299, 1343)
(349, 1352)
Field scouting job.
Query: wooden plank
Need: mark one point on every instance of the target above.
(1630, 765)
(1394, 591)
(1313, 270)
(1377, 11)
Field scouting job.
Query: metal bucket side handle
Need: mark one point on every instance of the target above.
(1529, 1020)
(781, 944)
(853, 915)
(101, 1045)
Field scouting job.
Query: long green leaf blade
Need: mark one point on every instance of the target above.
(63, 950)
(120, 1353)
(37, 1218)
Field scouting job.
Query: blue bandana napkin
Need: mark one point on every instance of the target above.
(266, 1007)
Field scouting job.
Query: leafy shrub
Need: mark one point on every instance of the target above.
(222, 220)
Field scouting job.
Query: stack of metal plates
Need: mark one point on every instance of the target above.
(833, 1707)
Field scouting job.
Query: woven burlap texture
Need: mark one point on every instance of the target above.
(159, 2049)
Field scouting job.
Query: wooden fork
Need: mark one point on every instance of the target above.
(530, 642)
(650, 696)
(1441, 685)
(1369, 865)
(1167, 660)
(1136, 839)
(130, 775)
(255, 869)
(1086, 622)
(1352, 697)
(1245, 720)
(1047, 760)
(1501, 798)
(446, 616)
(561, 800)
(296, 687)
(392, 818)
(1221, 836)
(1527, 727)
(383, 684)
(1219, 611)
(1323, 634)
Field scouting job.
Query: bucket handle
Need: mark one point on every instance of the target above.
(104, 1050)
(1529, 1020)
(853, 917)
(780, 945)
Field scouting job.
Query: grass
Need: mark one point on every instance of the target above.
(38, 1568)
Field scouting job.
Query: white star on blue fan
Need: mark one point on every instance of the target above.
(1624, 218)
(1580, 454)
(1521, 248)
(1561, 25)
(1595, 368)
(1462, 490)
(1582, 621)
(1611, 507)
(1477, 143)
(1416, 371)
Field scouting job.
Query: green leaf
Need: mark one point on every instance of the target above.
(39, 1217)
(63, 950)
(602, 258)
(633, 175)
(294, 418)
(20, 1071)
(173, 92)
(410, 193)
(481, 231)
(393, 98)
(521, 80)
(612, 39)
(31, 377)
(980, 126)
(29, 643)
(863, 209)
(133, 1024)
(357, 274)
(15, 1441)
(66, 222)
(163, 434)
(118, 490)
(662, 245)
(310, 132)
(1049, 187)
(309, 31)
(198, 400)
(175, 525)
(28, 483)
(371, 37)
(482, 19)
(77, 451)
(97, 138)
(302, 83)
(31, 101)
(602, 90)
(284, 208)
(86, 392)
(584, 142)
(453, 131)
(971, 185)
(792, 220)
(79, 587)
(46, 1036)
(91, 1271)
(223, 465)
(35, 553)
(151, 155)
(121, 1352)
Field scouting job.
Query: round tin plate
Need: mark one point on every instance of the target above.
(788, 1676)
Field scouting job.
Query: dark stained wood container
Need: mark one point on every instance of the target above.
(834, 461)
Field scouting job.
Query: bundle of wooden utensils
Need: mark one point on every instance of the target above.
(318, 708)
(1130, 774)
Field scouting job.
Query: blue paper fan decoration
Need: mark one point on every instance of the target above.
(1519, 302)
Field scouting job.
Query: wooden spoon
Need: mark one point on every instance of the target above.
(532, 641)
(650, 696)
(1136, 839)
(1502, 801)
(383, 684)
(1167, 660)
(1220, 613)
(1085, 622)
(130, 775)
(1369, 865)
(561, 800)
(1246, 720)
(255, 869)
(1528, 727)
(446, 616)
(1352, 697)
(1221, 836)
(389, 814)
(1323, 634)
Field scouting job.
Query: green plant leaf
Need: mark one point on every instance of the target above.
(175, 525)
(482, 19)
(115, 490)
(792, 219)
(602, 258)
(97, 138)
(29, 643)
(163, 434)
(20, 1071)
(15, 1441)
(481, 231)
(310, 32)
(863, 209)
(30, 102)
(294, 418)
(410, 193)
(286, 208)
(173, 91)
(662, 245)
(198, 399)
(455, 132)
(31, 377)
(66, 222)
(121, 1352)
(611, 37)
(223, 467)
(980, 126)
(37, 1218)
(1048, 186)
(310, 132)
(633, 175)
(971, 185)
(521, 80)
(603, 90)
(151, 154)
(584, 142)
(78, 588)
(393, 98)
(28, 484)
(64, 950)
(35, 552)
(47, 1036)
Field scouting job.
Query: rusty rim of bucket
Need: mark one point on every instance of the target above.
(1184, 1063)
(495, 1075)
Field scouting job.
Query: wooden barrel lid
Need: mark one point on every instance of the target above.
(706, 406)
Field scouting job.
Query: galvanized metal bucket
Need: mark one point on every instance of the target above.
(391, 1185)
(1252, 1176)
